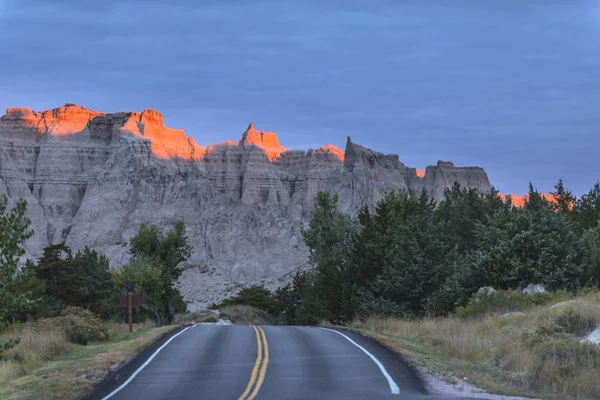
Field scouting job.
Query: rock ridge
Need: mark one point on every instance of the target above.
(90, 178)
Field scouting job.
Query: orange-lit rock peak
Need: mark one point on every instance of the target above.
(331, 149)
(267, 141)
(420, 173)
(519, 201)
(62, 121)
(166, 143)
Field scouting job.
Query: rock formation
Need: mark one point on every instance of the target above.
(91, 178)
(519, 201)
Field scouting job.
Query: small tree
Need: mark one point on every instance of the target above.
(564, 199)
(154, 267)
(14, 230)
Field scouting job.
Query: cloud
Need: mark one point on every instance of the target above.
(396, 75)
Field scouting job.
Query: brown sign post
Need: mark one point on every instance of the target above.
(129, 302)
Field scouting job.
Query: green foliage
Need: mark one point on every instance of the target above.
(589, 245)
(329, 237)
(79, 325)
(412, 257)
(81, 280)
(523, 246)
(293, 301)
(255, 296)
(413, 269)
(587, 208)
(244, 315)
(26, 281)
(14, 230)
(565, 200)
(154, 267)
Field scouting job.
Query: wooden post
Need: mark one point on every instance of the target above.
(130, 301)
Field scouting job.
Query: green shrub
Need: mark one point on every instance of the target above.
(242, 315)
(79, 325)
(254, 296)
(504, 301)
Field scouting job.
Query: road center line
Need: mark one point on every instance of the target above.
(263, 367)
(393, 386)
(256, 365)
(144, 365)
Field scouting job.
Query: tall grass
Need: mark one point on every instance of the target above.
(539, 351)
(36, 346)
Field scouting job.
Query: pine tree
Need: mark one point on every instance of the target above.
(329, 237)
(14, 231)
(564, 199)
(587, 208)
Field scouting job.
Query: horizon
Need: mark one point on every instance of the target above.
(511, 88)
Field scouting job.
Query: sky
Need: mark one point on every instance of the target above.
(512, 86)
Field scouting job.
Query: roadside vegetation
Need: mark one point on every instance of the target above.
(438, 278)
(536, 351)
(65, 305)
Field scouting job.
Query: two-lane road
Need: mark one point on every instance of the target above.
(212, 362)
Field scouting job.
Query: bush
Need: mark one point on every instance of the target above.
(254, 296)
(504, 301)
(242, 315)
(575, 317)
(80, 326)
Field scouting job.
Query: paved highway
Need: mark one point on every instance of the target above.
(212, 362)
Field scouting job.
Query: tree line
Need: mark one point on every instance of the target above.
(61, 279)
(411, 257)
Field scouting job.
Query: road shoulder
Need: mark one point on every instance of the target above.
(436, 374)
(124, 370)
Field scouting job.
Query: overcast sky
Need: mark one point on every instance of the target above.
(509, 85)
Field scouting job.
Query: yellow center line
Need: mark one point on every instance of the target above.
(263, 368)
(256, 366)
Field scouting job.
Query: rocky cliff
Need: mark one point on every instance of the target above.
(91, 178)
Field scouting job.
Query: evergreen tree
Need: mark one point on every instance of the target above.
(101, 295)
(414, 268)
(27, 282)
(523, 246)
(64, 280)
(14, 231)
(565, 200)
(587, 208)
(329, 237)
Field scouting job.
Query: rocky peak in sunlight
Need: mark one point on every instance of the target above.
(332, 150)
(61, 121)
(267, 141)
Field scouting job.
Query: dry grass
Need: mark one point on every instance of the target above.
(118, 328)
(36, 346)
(535, 353)
(243, 314)
(74, 371)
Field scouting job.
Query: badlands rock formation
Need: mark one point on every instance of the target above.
(91, 178)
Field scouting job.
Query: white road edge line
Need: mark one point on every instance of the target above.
(393, 386)
(144, 365)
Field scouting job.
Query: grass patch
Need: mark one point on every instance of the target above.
(506, 301)
(535, 354)
(196, 317)
(57, 369)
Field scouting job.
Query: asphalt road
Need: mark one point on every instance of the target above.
(212, 362)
